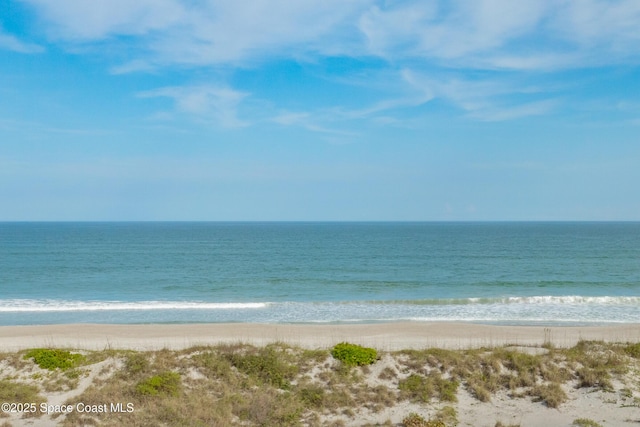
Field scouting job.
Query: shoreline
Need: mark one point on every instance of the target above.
(382, 336)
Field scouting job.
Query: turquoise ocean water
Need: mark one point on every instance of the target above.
(505, 273)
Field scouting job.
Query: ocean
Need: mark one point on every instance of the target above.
(512, 273)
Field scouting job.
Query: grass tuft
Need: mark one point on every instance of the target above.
(267, 365)
(15, 392)
(448, 416)
(421, 388)
(551, 394)
(633, 350)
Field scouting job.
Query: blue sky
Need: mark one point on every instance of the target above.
(319, 110)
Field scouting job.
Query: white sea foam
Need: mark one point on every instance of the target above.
(508, 310)
(26, 305)
(541, 299)
(575, 299)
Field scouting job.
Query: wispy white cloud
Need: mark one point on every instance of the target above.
(603, 23)
(441, 38)
(415, 99)
(224, 32)
(206, 32)
(425, 29)
(136, 65)
(539, 62)
(321, 122)
(498, 113)
(83, 21)
(488, 99)
(522, 35)
(459, 35)
(10, 42)
(527, 34)
(289, 118)
(210, 104)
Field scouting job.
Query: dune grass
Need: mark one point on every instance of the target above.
(281, 385)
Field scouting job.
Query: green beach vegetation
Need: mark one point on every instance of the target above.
(353, 354)
(52, 359)
(282, 385)
(585, 422)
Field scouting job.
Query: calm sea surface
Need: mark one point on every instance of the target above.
(507, 273)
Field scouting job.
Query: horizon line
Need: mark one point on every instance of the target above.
(329, 221)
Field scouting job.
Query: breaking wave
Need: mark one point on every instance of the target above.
(25, 305)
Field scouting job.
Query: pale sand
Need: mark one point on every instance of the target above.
(383, 336)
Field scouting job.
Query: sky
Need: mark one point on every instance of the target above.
(327, 110)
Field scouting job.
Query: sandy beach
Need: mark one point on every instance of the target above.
(384, 336)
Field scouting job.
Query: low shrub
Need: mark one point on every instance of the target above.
(417, 388)
(312, 396)
(54, 358)
(267, 365)
(415, 420)
(166, 383)
(353, 354)
(268, 407)
(136, 363)
(585, 422)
